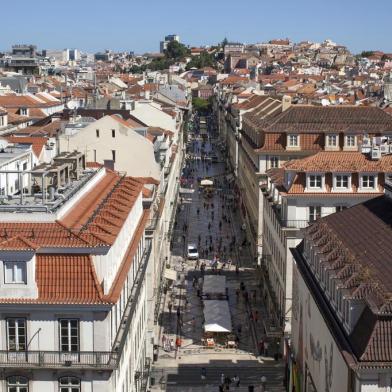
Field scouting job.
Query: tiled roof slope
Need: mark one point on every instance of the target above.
(355, 245)
(95, 220)
(67, 279)
(39, 235)
(341, 161)
(361, 119)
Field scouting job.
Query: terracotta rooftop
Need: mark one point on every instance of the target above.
(354, 119)
(355, 246)
(67, 279)
(341, 161)
(37, 143)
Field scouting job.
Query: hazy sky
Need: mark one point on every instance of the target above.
(93, 25)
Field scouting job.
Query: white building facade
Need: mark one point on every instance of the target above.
(73, 302)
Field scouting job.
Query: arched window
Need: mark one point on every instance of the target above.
(17, 384)
(69, 384)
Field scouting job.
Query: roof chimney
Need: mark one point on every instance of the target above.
(286, 102)
(108, 164)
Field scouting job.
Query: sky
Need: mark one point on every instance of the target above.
(139, 25)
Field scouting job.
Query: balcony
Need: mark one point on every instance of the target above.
(100, 360)
(294, 224)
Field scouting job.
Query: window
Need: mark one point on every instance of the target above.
(69, 335)
(95, 155)
(16, 334)
(341, 181)
(113, 133)
(332, 140)
(293, 141)
(368, 181)
(315, 181)
(24, 166)
(114, 155)
(69, 384)
(274, 162)
(314, 213)
(15, 272)
(17, 384)
(340, 208)
(350, 141)
(97, 132)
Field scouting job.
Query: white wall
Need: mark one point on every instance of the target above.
(134, 153)
(312, 342)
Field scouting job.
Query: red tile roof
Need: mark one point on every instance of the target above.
(341, 161)
(95, 220)
(67, 279)
(37, 143)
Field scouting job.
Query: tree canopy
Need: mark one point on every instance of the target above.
(204, 60)
(201, 105)
(367, 53)
(176, 50)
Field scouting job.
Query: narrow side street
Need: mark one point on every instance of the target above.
(211, 221)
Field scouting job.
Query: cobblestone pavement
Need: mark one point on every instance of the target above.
(207, 222)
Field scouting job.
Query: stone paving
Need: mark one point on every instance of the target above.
(209, 222)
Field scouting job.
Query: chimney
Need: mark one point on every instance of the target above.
(286, 102)
(109, 164)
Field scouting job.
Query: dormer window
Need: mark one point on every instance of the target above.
(368, 182)
(293, 140)
(342, 182)
(350, 141)
(274, 162)
(15, 272)
(315, 181)
(332, 140)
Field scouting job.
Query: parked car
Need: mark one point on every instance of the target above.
(193, 253)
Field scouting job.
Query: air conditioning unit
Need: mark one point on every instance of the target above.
(384, 149)
(366, 141)
(376, 153)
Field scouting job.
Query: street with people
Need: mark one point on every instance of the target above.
(209, 238)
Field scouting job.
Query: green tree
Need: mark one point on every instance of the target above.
(367, 53)
(176, 50)
(201, 105)
(224, 42)
(204, 60)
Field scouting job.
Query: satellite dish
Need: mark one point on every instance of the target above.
(72, 105)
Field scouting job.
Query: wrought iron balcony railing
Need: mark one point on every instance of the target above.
(56, 359)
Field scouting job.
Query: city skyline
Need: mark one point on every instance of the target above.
(301, 21)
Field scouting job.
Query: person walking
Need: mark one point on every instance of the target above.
(266, 346)
(222, 377)
(236, 381)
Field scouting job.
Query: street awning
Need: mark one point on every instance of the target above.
(206, 182)
(186, 190)
(214, 285)
(170, 274)
(217, 316)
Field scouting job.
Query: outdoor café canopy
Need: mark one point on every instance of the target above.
(214, 285)
(217, 316)
(206, 182)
